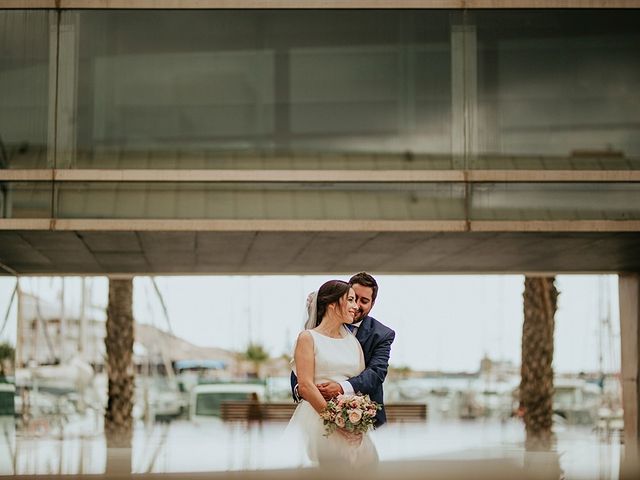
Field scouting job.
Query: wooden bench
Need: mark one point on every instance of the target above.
(280, 411)
(241, 410)
(406, 412)
(234, 411)
(247, 410)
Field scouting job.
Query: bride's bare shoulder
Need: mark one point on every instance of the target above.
(305, 341)
(305, 336)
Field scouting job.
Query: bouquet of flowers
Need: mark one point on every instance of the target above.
(353, 413)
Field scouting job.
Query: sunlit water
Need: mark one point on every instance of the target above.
(184, 446)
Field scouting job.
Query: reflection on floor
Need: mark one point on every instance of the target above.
(214, 446)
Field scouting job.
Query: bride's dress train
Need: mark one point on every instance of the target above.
(336, 359)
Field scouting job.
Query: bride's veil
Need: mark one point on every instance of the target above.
(303, 441)
(311, 314)
(293, 443)
(310, 319)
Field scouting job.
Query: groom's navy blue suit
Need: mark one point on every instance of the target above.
(376, 340)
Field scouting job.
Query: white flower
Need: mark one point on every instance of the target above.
(355, 416)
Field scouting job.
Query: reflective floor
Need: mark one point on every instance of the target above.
(214, 446)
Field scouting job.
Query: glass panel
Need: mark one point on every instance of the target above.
(261, 89)
(321, 89)
(348, 201)
(555, 201)
(558, 89)
(24, 88)
(25, 199)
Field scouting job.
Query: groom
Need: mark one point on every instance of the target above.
(376, 340)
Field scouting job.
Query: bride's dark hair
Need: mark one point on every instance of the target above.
(330, 292)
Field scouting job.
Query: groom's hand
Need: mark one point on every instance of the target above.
(330, 389)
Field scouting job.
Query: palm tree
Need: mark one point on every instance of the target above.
(257, 355)
(536, 385)
(118, 422)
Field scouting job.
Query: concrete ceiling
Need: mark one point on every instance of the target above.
(99, 253)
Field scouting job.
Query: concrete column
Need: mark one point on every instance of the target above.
(629, 293)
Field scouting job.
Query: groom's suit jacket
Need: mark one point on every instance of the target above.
(376, 340)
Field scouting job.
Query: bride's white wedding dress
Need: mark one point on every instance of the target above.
(336, 359)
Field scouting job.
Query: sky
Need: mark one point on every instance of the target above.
(442, 322)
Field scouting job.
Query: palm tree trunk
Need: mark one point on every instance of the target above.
(536, 385)
(118, 422)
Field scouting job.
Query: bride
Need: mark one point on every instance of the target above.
(327, 351)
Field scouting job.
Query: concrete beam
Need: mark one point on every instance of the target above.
(287, 225)
(275, 4)
(314, 176)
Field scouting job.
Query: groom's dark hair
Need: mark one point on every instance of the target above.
(366, 280)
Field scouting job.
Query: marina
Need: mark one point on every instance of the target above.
(63, 440)
(198, 409)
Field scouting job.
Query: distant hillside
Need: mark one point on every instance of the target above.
(153, 339)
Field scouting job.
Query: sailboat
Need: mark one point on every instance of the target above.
(610, 414)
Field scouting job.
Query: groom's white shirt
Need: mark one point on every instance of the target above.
(347, 388)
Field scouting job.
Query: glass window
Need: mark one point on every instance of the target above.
(249, 88)
(555, 201)
(320, 89)
(295, 201)
(25, 199)
(24, 87)
(558, 89)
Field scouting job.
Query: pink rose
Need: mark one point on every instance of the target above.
(339, 421)
(355, 416)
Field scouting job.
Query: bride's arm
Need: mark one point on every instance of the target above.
(305, 369)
